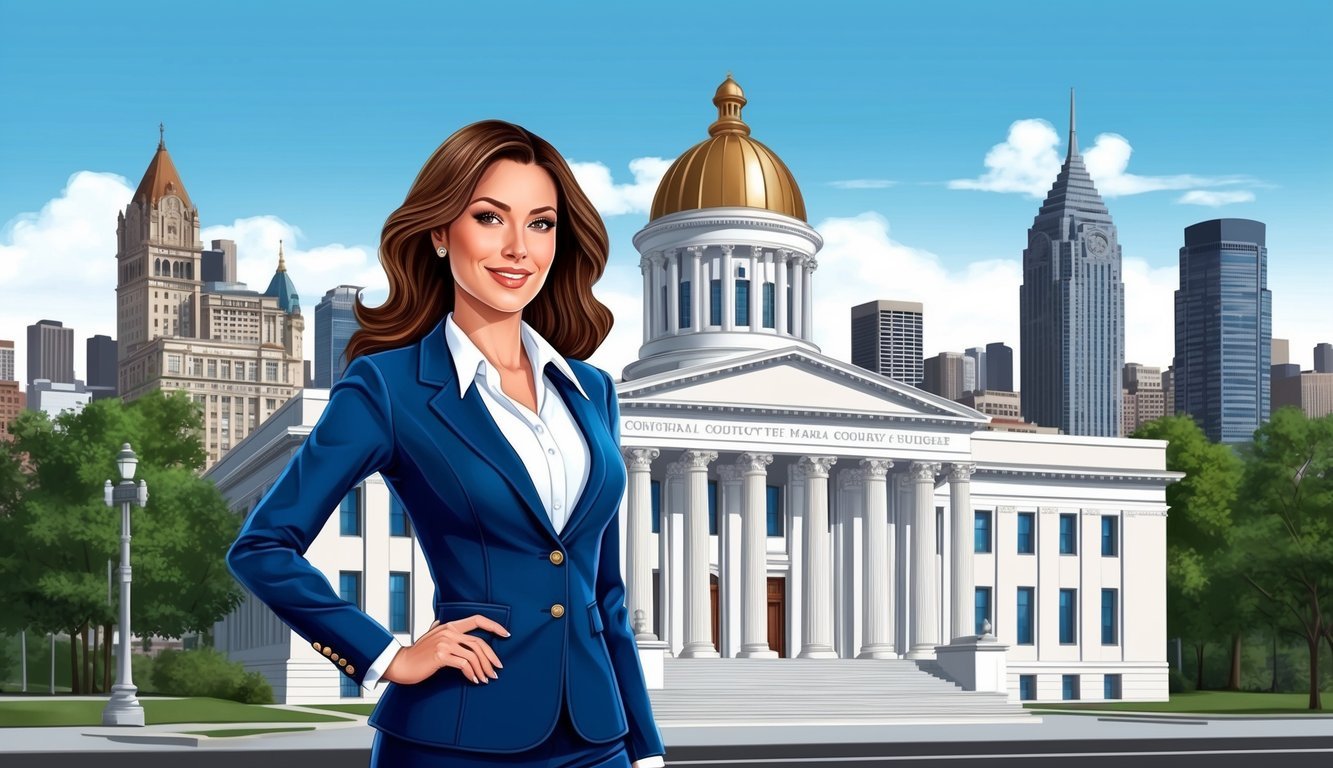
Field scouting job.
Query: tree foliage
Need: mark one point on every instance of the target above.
(57, 534)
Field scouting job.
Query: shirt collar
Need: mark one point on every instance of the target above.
(469, 362)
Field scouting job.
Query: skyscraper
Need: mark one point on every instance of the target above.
(886, 339)
(1224, 328)
(1144, 399)
(50, 352)
(7, 360)
(101, 361)
(1072, 307)
(945, 375)
(975, 375)
(335, 322)
(999, 367)
(218, 263)
(1323, 357)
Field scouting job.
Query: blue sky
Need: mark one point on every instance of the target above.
(309, 122)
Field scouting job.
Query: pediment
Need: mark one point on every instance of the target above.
(791, 379)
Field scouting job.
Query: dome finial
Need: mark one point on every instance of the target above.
(729, 100)
(161, 136)
(282, 262)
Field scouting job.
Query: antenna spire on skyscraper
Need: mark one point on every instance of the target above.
(1073, 136)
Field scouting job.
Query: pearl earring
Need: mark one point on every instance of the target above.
(443, 252)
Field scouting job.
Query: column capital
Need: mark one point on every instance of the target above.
(876, 469)
(695, 250)
(783, 255)
(658, 258)
(922, 471)
(676, 469)
(851, 479)
(692, 459)
(811, 263)
(961, 472)
(727, 249)
(754, 463)
(815, 466)
(757, 251)
(728, 473)
(639, 458)
(796, 257)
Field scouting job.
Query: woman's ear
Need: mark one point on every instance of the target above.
(439, 237)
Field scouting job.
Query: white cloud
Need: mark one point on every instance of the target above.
(1215, 198)
(863, 184)
(1027, 162)
(612, 199)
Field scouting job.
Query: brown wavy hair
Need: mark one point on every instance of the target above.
(421, 286)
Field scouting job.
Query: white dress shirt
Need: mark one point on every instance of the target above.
(548, 441)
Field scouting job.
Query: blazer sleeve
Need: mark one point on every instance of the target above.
(352, 439)
(643, 739)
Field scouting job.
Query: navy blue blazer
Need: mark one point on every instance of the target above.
(491, 551)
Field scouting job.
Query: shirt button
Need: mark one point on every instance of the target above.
(551, 451)
(556, 505)
(539, 429)
(557, 610)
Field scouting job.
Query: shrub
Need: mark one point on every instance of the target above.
(1177, 683)
(205, 672)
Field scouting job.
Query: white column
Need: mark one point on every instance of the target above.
(818, 594)
(698, 605)
(847, 518)
(673, 291)
(962, 548)
(783, 258)
(646, 266)
(728, 290)
(698, 291)
(671, 555)
(877, 612)
(797, 308)
(639, 535)
(754, 556)
(729, 556)
(758, 275)
(924, 622)
(808, 300)
(901, 571)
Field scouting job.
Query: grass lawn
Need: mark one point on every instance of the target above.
(353, 709)
(1210, 703)
(53, 711)
(230, 732)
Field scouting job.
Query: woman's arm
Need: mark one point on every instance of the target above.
(353, 439)
(644, 740)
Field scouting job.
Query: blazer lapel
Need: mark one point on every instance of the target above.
(596, 437)
(469, 420)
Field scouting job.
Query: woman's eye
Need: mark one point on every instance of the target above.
(487, 217)
(543, 224)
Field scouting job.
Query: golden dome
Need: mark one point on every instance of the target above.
(728, 169)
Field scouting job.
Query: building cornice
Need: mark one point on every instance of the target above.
(1081, 474)
(645, 408)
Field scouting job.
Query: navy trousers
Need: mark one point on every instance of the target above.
(564, 748)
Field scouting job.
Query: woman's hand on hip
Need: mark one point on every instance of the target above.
(448, 645)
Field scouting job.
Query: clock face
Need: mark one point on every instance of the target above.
(1098, 244)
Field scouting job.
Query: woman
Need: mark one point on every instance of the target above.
(467, 393)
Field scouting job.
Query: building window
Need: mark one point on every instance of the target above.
(1111, 687)
(270, 370)
(398, 522)
(349, 587)
(712, 507)
(1026, 614)
(981, 524)
(666, 310)
(1027, 541)
(655, 487)
(683, 299)
(1068, 535)
(1109, 634)
(350, 516)
(770, 291)
(1110, 542)
(174, 364)
(1068, 616)
(1027, 687)
(774, 509)
(790, 314)
(1069, 687)
(715, 302)
(742, 302)
(399, 591)
(983, 609)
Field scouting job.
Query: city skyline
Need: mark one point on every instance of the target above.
(915, 151)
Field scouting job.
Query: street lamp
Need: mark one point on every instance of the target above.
(123, 708)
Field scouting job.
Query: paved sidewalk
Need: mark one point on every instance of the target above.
(355, 734)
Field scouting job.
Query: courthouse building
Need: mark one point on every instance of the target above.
(784, 504)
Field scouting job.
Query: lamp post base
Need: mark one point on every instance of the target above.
(123, 708)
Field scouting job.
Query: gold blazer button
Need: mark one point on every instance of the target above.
(557, 610)
(342, 662)
(327, 650)
(351, 670)
(557, 557)
(334, 656)
(316, 646)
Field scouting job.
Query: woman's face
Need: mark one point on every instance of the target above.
(502, 246)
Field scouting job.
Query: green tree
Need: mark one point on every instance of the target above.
(1284, 534)
(1200, 590)
(57, 534)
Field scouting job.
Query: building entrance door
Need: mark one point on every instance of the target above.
(777, 615)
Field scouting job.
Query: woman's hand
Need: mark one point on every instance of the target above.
(448, 645)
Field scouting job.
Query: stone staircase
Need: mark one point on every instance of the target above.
(700, 692)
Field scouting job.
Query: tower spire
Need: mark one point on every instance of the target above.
(1073, 136)
(282, 263)
(161, 136)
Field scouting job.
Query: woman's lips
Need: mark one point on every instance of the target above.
(508, 282)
